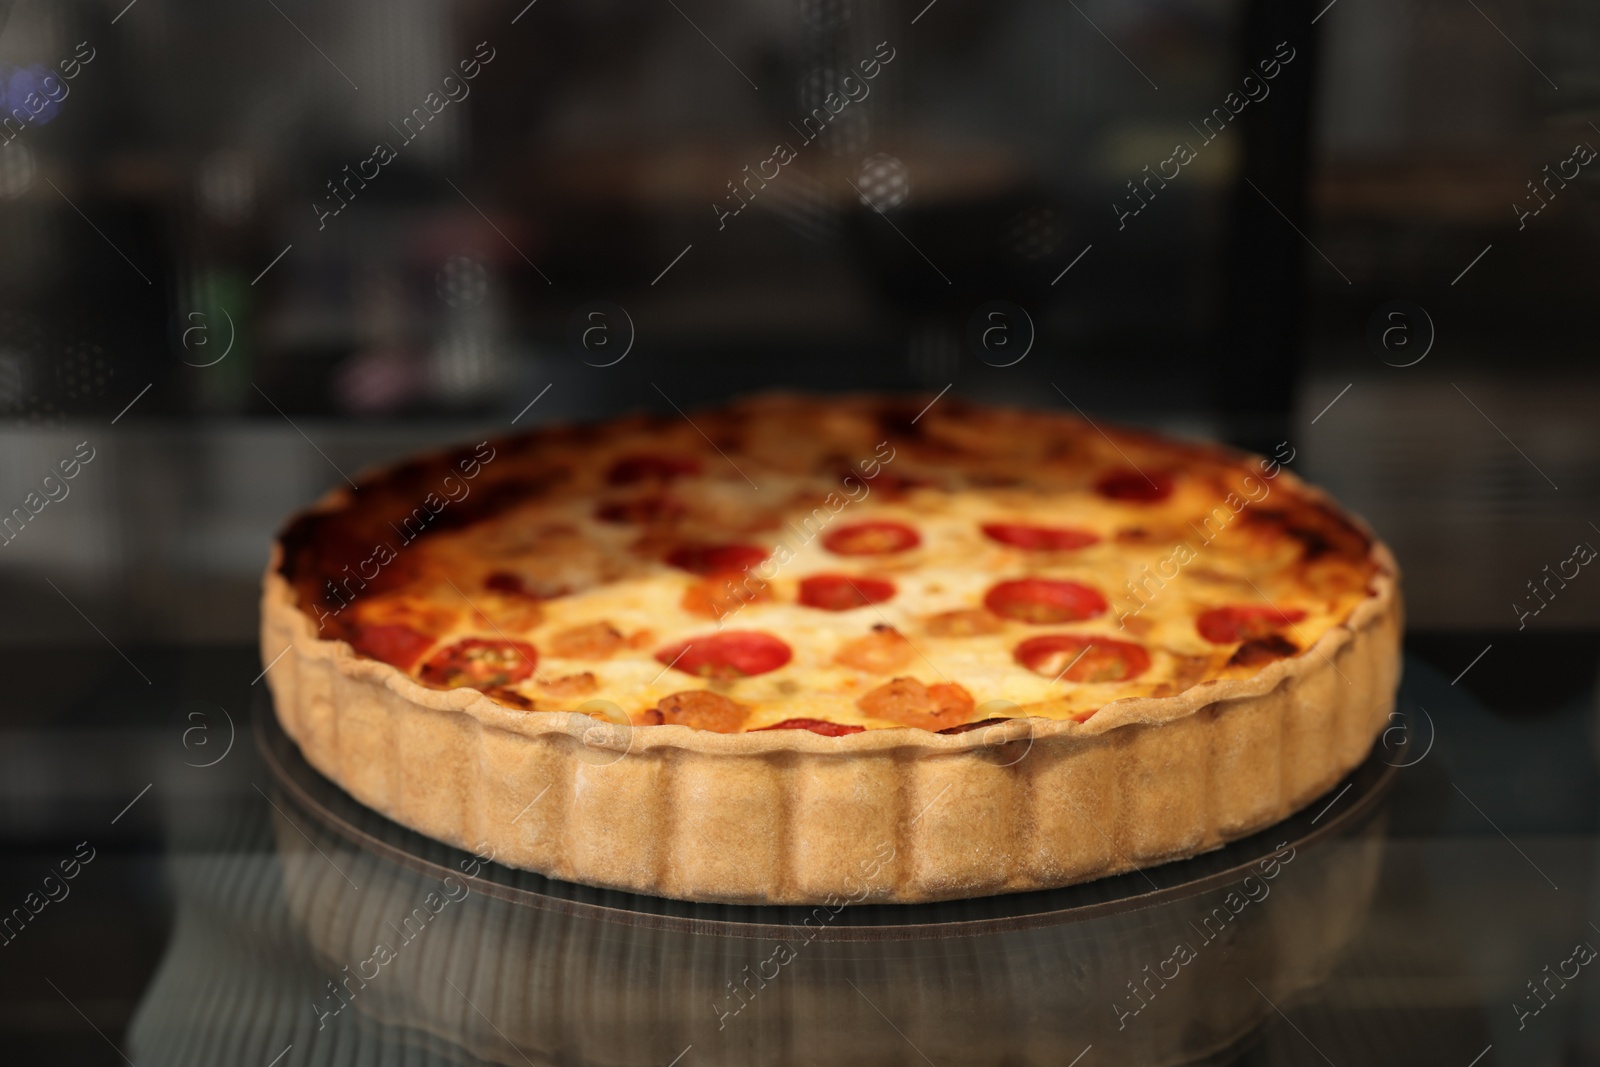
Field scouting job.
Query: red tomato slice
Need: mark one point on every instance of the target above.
(480, 663)
(1038, 538)
(707, 560)
(631, 469)
(871, 539)
(1132, 486)
(816, 726)
(839, 592)
(1083, 658)
(399, 646)
(1244, 622)
(728, 655)
(1044, 601)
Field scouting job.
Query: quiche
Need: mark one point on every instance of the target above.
(810, 649)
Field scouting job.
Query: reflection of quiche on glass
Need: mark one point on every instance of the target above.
(1014, 650)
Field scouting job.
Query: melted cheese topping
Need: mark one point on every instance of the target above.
(951, 570)
(596, 520)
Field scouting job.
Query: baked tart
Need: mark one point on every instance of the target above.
(799, 650)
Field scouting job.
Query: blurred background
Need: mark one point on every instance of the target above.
(203, 226)
(250, 247)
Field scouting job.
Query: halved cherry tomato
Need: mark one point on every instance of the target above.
(909, 702)
(593, 640)
(630, 469)
(727, 655)
(840, 592)
(1038, 538)
(707, 560)
(876, 538)
(1244, 622)
(816, 726)
(1134, 486)
(701, 709)
(883, 650)
(1083, 658)
(479, 662)
(1044, 600)
(398, 646)
(721, 595)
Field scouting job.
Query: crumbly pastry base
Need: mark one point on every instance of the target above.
(791, 817)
